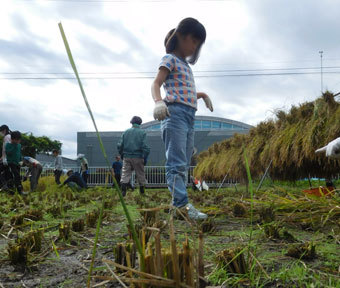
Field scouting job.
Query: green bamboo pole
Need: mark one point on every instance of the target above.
(126, 211)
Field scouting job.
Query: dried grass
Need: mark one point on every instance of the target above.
(289, 141)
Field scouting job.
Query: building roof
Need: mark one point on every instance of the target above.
(205, 123)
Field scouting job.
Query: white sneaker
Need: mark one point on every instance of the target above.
(193, 213)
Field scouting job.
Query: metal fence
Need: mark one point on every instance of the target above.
(155, 176)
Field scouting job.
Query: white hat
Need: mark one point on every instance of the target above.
(80, 156)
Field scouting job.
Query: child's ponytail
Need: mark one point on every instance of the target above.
(188, 26)
(170, 41)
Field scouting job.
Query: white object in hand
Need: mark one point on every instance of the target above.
(4, 161)
(332, 149)
(208, 103)
(160, 111)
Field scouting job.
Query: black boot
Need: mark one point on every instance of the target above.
(142, 190)
(123, 186)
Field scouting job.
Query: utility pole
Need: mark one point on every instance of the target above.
(321, 52)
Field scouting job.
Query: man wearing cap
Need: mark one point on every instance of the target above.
(84, 167)
(134, 151)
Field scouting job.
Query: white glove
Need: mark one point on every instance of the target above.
(160, 111)
(4, 161)
(208, 103)
(332, 149)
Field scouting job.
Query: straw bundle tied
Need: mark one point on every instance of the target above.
(289, 141)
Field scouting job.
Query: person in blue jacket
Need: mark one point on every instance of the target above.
(134, 151)
(117, 169)
(75, 181)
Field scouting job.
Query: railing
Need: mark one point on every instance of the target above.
(155, 176)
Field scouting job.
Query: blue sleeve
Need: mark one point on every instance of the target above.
(69, 179)
(168, 61)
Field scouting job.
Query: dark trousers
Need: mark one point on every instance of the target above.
(84, 175)
(117, 176)
(15, 171)
(5, 174)
(35, 174)
(57, 174)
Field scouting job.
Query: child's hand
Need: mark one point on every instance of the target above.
(206, 100)
(208, 103)
(160, 111)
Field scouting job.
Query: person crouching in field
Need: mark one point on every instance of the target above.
(134, 151)
(74, 181)
(34, 171)
(13, 155)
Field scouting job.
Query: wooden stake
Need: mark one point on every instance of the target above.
(200, 260)
(158, 259)
(174, 254)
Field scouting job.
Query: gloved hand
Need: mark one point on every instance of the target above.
(160, 111)
(332, 149)
(4, 162)
(21, 163)
(208, 103)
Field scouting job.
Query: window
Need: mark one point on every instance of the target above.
(215, 125)
(227, 126)
(156, 127)
(206, 124)
(198, 125)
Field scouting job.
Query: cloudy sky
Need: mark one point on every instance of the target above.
(259, 56)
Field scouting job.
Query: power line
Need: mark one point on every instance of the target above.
(153, 72)
(151, 77)
(118, 1)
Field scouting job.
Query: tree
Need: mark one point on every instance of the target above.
(31, 145)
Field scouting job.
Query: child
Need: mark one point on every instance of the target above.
(84, 167)
(5, 174)
(177, 110)
(135, 152)
(58, 166)
(34, 171)
(116, 169)
(13, 155)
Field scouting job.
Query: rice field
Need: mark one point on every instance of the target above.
(280, 238)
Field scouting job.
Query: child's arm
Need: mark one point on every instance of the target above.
(206, 100)
(161, 110)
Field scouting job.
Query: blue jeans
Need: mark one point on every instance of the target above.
(178, 137)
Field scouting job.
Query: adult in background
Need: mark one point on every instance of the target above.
(117, 169)
(84, 167)
(34, 171)
(5, 174)
(74, 181)
(58, 166)
(134, 151)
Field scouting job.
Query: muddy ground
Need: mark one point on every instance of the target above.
(65, 263)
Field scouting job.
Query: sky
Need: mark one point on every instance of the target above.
(259, 56)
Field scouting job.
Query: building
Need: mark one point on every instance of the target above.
(208, 130)
(47, 161)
